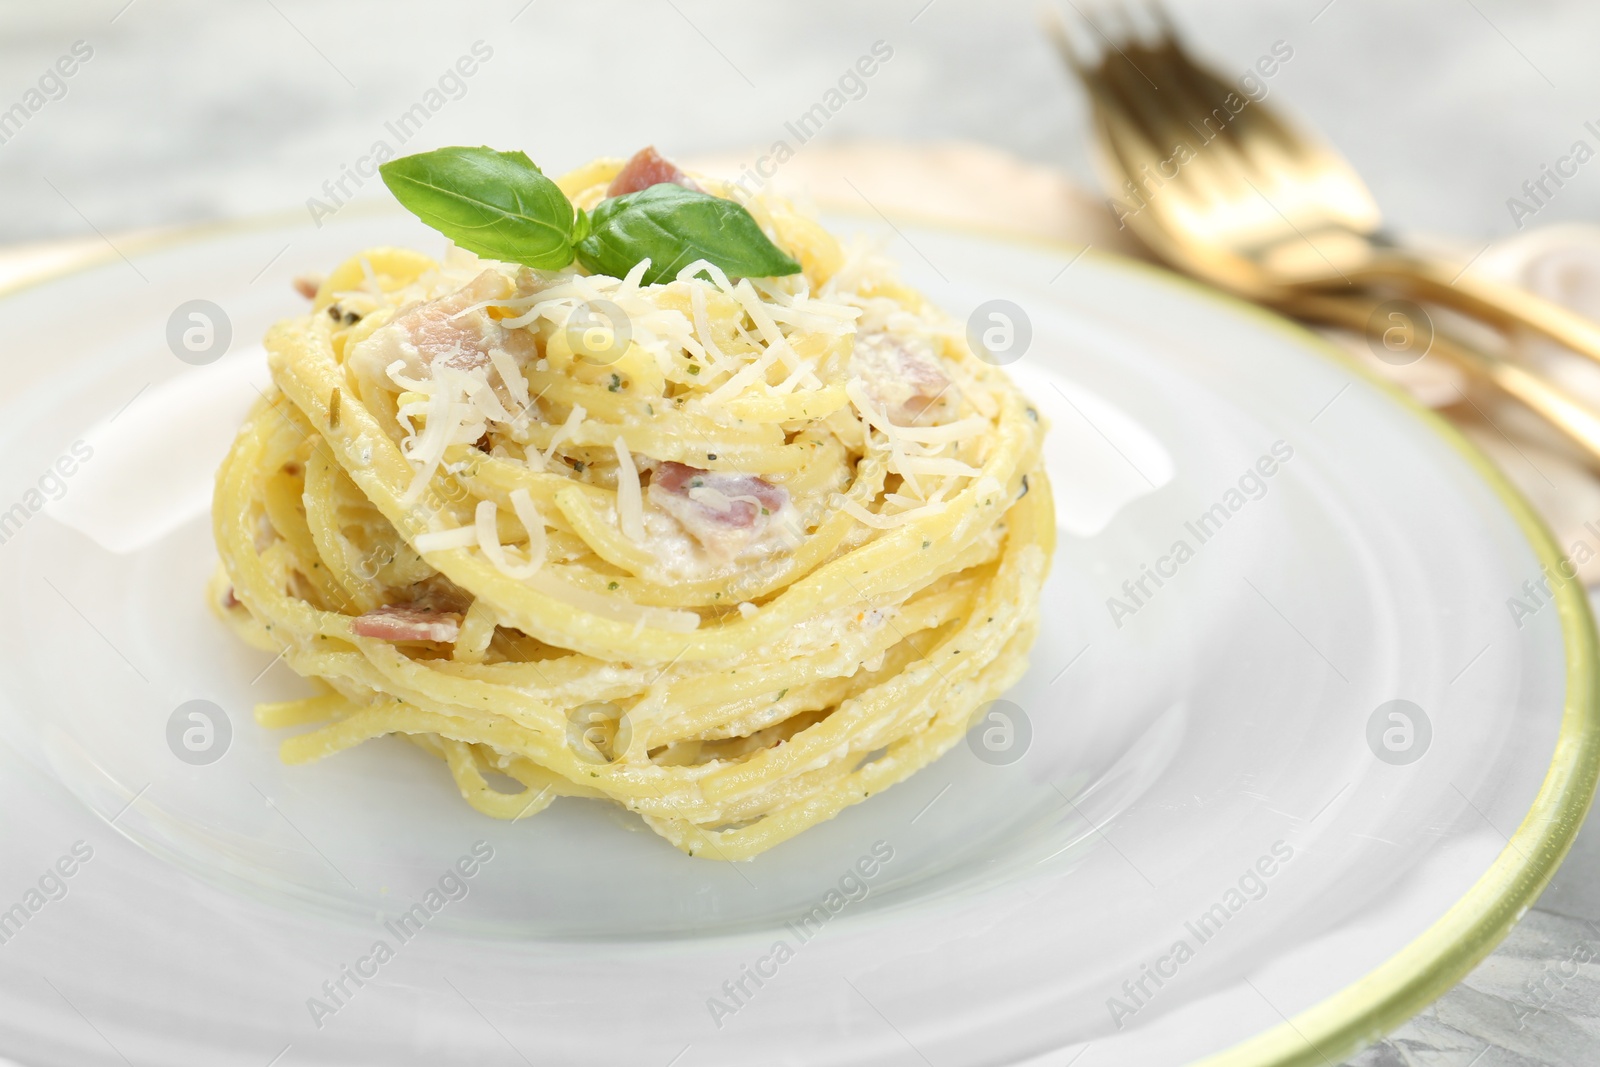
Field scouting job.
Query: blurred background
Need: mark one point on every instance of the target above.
(118, 115)
(188, 111)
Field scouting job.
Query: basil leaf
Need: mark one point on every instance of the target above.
(497, 204)
(673, 227)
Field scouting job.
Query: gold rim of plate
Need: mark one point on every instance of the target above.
(1430, 965)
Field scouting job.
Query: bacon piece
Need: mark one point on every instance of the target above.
(905, 377)
(445, 332)
(400, 622)
(307, 285)
(722, 511)
(647, 168)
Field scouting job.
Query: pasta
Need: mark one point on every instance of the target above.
(733, 554)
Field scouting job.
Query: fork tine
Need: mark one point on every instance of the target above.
(1162, 19)
(1091, 71)
(1130, 86)
(1255, 130)
(1118, 130)
(1145, 159)
(1162, 117)
(1251, 120)
(1056, 28)
(1116, 27)
(1200, 117)
(1129, 36)
(1145, 127)
(1194, 112)
(1195, 95)
(1255, 146)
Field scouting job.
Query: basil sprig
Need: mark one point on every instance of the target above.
(500, 205)
(497, 204)
(675, 226)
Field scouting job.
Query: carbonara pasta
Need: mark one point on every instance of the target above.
(730, 553)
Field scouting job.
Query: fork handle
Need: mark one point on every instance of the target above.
(1575, 421)
(1501, 305)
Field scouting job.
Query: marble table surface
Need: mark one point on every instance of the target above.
(178, 111)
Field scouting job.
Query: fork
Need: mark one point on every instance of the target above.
(1252, 203)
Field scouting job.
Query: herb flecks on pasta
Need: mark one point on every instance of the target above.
(731, 552)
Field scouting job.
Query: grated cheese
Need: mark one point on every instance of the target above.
(574, 420)
(702, 326)
(936, 465)
(489, 544)
(439, 540)
(516, 385)
(630, 499)
(750, 300)
(857, 392)
(889, 522)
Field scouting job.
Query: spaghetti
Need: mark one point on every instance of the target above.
(731, 553)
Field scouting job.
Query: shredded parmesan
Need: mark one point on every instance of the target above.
(857, 392)
(444, 417)
(439, 540)
(702, 325)
(711, 498)
(889, 522)
(532, 522)
(718, 277)
(971, 426)
(750, 373)
(574, 420)
(750, 300)
(509, 373)
(630, 500)
(489, 537)
(635, 276)
(936, 465)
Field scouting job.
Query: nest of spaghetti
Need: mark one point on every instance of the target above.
(732, 554)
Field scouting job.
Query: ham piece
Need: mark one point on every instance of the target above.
(904, 377)
(444, 331)
(399, 622)
(647, 168)
(453, 331)
(722, 510)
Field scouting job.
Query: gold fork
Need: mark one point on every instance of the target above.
(1250, 202)
(1228, 191)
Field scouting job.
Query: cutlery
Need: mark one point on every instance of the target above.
(1240, 196)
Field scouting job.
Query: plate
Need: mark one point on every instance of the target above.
(1310, 721)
